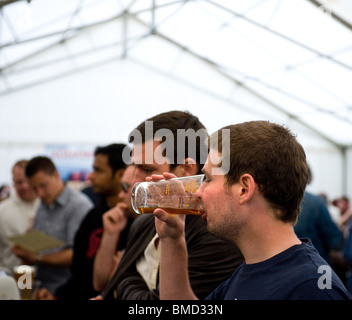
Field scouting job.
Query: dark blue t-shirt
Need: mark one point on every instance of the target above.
(298, 273)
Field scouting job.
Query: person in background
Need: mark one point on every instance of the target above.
(16, 214)
(343, 204)
(109, 255)
(315, 222)
(347, 254)
(253, 203)
(59, 215)
(108, 169)
(334, 211)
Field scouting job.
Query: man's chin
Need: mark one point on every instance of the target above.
(27, 198)
(215, 232)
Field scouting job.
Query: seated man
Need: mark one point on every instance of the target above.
(254, 203)
(210, 260)
(106, 177)
(59, 215)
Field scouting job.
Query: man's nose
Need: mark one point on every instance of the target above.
(90, 174)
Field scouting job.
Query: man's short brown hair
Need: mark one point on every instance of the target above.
(271, 154)
(40, 163)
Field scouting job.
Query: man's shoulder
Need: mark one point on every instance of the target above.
(9, 207)
(5, 204)
(298, 273)
(79, 197)
(310, 276)
(324, 288)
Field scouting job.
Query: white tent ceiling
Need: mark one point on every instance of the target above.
(295, 54)
(226, 61)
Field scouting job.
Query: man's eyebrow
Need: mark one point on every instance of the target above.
(145, 166)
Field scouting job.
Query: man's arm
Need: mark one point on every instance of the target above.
(174, 280)
(106, 258)
(132, 286)
(61, 258)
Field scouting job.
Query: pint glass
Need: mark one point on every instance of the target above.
(175, 196)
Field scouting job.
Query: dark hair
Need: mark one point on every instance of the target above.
(40, 163)
(114, 154)
(189, 135)
(274, 158)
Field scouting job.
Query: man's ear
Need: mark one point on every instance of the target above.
(188, 168)
(247, 187)
(56, 174)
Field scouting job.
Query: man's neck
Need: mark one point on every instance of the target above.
(112, 200)
(268, 241)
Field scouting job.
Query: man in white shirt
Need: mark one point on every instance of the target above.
(16, 214)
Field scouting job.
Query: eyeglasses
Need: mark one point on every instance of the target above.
(125, 186)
